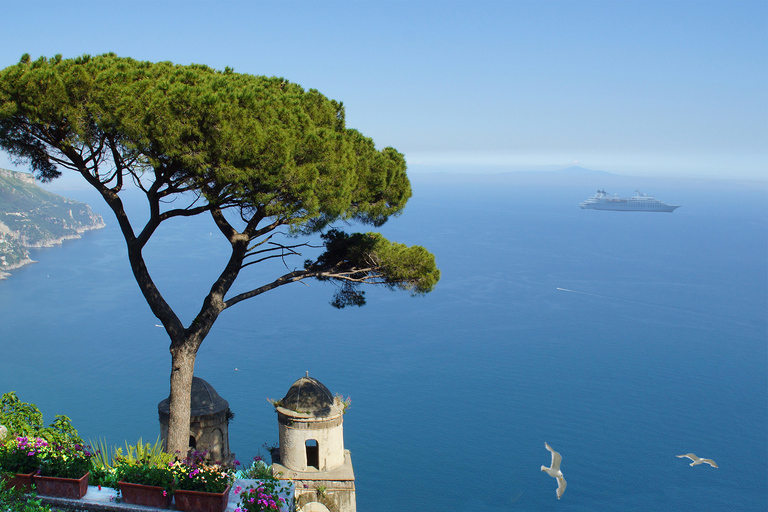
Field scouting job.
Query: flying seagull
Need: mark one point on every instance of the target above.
(554, 470)
(698, 460)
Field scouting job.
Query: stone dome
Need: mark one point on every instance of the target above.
(308, 395)
(205, 400)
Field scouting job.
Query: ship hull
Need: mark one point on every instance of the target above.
(619, 208)
(638, 203)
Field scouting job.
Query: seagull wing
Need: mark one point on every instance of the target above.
(556, 458)
(710, 462)
(690, 456)
(560, 486)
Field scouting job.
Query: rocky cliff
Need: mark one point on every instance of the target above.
(33, 217)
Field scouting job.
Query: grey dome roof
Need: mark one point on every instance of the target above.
(205, 400)
(308, 395)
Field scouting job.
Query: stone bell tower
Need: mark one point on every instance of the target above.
(209, 422)
(311, 452)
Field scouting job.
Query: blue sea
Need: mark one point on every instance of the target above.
(621, 339)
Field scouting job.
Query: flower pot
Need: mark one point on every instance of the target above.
(73, 488)
(196, 501)
(147, 495)
(22, 482)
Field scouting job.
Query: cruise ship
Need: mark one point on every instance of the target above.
(638, 203)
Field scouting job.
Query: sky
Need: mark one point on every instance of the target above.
(669, 88)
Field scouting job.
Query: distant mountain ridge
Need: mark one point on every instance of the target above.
(574, 170)
(33, 217)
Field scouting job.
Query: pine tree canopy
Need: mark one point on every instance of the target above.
(276, 154)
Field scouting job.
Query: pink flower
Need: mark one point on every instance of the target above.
(238, 489)
(165, 493)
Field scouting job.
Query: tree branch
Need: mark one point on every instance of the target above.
(299, 275)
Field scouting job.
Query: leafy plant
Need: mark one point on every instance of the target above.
(25, 420)
(20, 418)
(69, 461)
(61, 432)
(258, 470)
(342, 402)
(269, 495)
(150, 453)
(137, 465)
(146, 474)
(58, 448)
(13, 500)
(102, 470)
(22, 454)
(196, 474)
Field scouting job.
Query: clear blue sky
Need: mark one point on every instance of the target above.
(634, 87)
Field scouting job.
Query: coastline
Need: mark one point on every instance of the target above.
(5, 271)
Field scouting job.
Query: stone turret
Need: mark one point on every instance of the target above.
(311, 452)
(209, 421)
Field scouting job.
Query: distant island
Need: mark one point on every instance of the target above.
(33, 217)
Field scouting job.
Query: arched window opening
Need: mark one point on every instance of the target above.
(192, 442)
(313, 454)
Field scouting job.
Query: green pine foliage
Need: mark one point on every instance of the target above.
(237, 138)
(262, 146)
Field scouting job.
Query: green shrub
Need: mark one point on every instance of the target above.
(12, 500)
(25, 420)
(69, 461)
(145, 474)
(20, 418)
(21, 454)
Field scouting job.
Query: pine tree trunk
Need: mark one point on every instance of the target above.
(182, 371)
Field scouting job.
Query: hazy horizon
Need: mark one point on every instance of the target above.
(647, 88)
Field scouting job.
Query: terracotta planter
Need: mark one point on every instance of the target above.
(22, 482)
(195, 501)
(147, 495)
(72, 488)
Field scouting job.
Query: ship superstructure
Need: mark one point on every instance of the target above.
(637, 203)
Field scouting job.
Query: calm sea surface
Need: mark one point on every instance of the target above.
(621, 339)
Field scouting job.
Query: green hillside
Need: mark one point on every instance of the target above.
(33, 217)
